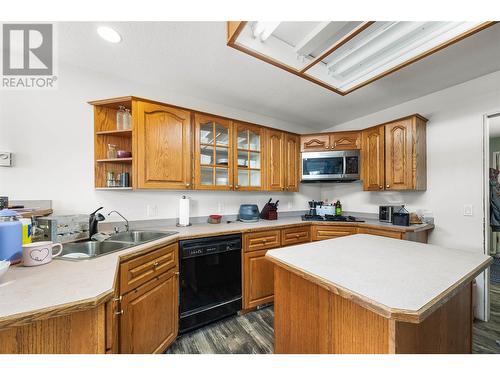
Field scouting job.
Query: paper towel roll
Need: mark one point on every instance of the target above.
(184, 211)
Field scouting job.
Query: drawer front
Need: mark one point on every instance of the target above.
(261, 240)
(381, 232)
(325, 232)
(292, 236)
(137, 271)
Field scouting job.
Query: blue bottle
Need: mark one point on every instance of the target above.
(11, 236)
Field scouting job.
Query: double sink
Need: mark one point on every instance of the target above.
(117, 242)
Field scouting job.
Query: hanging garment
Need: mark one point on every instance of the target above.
(494, 209)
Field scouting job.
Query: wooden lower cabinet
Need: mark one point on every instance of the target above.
(325, 232)
(149, 318)
(79, 332)
(258, 279)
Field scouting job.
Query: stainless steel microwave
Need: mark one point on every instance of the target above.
(330, 166)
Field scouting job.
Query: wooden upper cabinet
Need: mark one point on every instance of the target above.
(372, 158)
(163, 147)
(275, 160)
(213, 153)
(315, 142)
(249, 156)
(345, 141)
(292, 162)
(405, 154)
(350, 140)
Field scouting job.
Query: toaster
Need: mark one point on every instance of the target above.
(248, 213)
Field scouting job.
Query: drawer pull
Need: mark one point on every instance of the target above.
(119, 312)
(156, 264)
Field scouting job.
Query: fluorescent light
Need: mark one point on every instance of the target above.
(109, 34)
(263, 30)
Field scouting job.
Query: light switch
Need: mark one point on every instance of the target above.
(5, 159)
(467, 209)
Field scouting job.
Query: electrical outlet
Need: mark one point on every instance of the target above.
(152, 210)
(468, 210)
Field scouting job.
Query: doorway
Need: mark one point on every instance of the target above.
(487, 333)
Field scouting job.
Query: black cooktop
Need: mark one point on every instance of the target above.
(350, 219)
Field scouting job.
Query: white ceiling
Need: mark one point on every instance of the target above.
(193, 59)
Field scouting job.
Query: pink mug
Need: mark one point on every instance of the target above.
(37, 253)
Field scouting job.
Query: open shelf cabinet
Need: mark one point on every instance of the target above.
(106, 132)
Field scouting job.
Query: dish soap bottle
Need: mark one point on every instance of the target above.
(338, 208)
(11, 236)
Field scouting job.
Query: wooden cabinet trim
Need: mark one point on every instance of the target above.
(292, 162)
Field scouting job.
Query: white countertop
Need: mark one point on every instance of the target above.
(400, 275)
(28, 290)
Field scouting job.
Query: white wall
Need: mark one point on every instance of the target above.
(51, 136)
(454, 161)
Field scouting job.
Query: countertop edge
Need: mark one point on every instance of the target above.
(87, 303)
(410, 316)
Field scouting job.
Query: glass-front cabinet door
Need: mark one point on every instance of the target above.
(213, 150)
(248, 157)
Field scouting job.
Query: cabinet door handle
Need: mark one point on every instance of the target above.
(380, 187)
(118, 299)
(176, 273)
(388, 186)
(188, 184)
(119, 312)
(236, 186)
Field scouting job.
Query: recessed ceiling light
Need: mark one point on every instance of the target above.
(109, 34)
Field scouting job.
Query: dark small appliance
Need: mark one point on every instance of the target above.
(401, 217)
(385, 212)
(209, 280)
(248, 213)
(312, 207)
(270, 210)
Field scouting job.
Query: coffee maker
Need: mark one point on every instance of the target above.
(312, 208)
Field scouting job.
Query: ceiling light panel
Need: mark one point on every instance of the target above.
(344, 56)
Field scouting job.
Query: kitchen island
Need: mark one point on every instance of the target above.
(369, 294)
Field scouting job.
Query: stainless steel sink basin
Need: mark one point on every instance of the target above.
(91, 249)
(117, 242)
(138, 236)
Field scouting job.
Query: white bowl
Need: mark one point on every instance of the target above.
(4, 266)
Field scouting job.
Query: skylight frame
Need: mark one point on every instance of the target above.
(235, 28)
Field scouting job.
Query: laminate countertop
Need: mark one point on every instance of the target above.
(31, 293)
(401, 280)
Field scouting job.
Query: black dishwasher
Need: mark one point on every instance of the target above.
(210, 280)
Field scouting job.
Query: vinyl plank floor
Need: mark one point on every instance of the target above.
(253, 333)
(486, 335)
